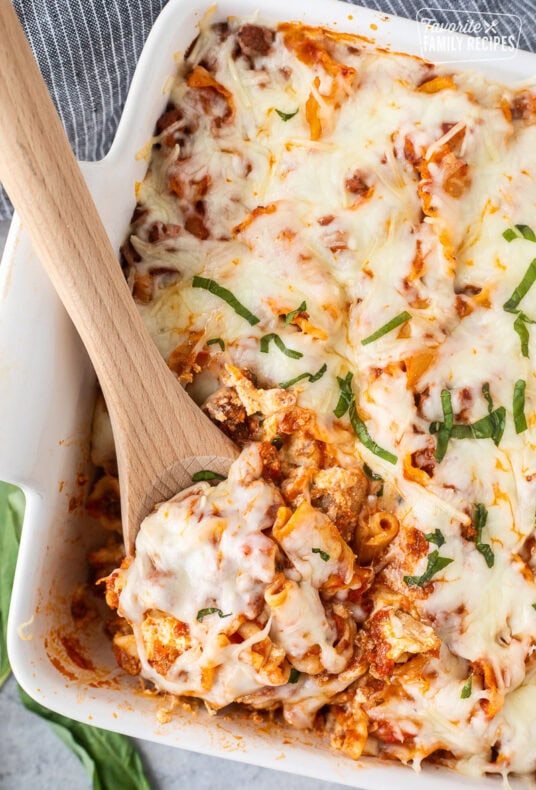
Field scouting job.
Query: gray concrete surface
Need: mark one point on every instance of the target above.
(33, 758)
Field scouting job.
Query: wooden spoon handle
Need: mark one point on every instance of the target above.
(44, 182)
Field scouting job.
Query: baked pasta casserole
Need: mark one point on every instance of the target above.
(334, 248)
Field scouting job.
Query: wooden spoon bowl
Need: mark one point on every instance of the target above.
(161, 436)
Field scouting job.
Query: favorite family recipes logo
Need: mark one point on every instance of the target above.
(462, 36)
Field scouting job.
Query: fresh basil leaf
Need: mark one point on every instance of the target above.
(217, 340)
(346, 395)
(467, 688)
(110, 759)
(520, 421)
(435, 537)
(206, 474)
(522, 289)
(211, 610)
(11, 517)
(360, 430)
(286, 116)
(218, 290)
(294, 675)
(312, 377)
(445, 428)
(323, 555)
(510, 234)
(370, 474)
(526, 232)
(533, 605)
(435, 564)
(401, 318)
(290, 316)
(480, 517)
(289, 352)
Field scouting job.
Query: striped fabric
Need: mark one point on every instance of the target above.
(88, 49)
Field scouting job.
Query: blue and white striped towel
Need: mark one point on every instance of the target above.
(88, 49)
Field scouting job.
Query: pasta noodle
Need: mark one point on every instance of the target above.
(375, 533)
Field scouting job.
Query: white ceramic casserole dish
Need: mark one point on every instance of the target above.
(46, 396)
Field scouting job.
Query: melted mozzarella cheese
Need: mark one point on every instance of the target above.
(203, 559)
(205, 549)
(285, 227)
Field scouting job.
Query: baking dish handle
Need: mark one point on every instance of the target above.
(46, 380)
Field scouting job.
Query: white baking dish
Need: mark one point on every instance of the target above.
(46, 394)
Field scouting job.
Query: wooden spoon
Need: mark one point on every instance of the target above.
(161, 436)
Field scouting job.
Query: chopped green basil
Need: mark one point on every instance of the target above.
(533, 605)
(206, 474)
(323, 555)
(310, 376)
(360, 430)
(290, 316)
(218, 290)
(510, 234)
(284, 385)
(435, 564)
(370, 474)
(511, 305)
(211, 610)
(289, 352)
(346, 395)
(319, 373)
(520, 421)
(467, 688)
(346, 403)
(435, 537)
(522, 289)
(277, 442)
(294, 675)
(401, 318)
(526, 232)
(286, 116)
(373, 476)
(520, 326)
(480, 517)
(489, 427)
(445, 428)
(521, 231)
(487, 396)
(217, 340)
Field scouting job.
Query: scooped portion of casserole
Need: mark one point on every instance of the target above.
(334, 250)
